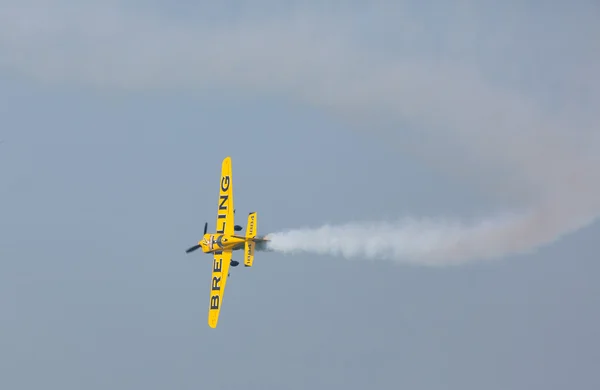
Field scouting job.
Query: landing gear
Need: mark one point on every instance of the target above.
(237, 228)
(233, 263)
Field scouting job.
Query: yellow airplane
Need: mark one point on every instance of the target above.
(222, 243)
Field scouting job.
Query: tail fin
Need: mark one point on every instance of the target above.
(251, 229)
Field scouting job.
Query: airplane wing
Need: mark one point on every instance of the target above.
(222, 259)
(220, 271)
(225, 220)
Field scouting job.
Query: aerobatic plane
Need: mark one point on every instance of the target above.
(222, 243)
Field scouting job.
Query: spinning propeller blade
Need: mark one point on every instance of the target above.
(193, 248)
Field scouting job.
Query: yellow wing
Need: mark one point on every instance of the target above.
(220, 271)
(222, 260)
(225, 222)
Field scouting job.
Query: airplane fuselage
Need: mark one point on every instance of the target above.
(218, 242)
(212, 242)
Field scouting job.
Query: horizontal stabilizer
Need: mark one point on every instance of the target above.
(250, 234)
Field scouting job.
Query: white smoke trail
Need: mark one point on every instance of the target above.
(442, 242)
(409, 240)
(426, 241)
(567, 182)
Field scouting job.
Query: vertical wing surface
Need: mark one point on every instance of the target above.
(220, 271)
(222, 259)
(225, 222)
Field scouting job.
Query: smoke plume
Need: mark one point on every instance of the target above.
(563, 181)
(429, 241)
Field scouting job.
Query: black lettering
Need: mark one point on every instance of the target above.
(215, 283)
(218, 265)
(214, 302)
(251, 224)
(222, 229)
(225, 183)
(222, 205)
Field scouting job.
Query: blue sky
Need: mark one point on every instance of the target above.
(116, 116)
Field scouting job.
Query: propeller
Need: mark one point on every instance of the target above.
(193, 248)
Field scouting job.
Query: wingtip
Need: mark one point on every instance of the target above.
(212, 322)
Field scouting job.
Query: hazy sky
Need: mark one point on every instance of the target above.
(115, 118)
